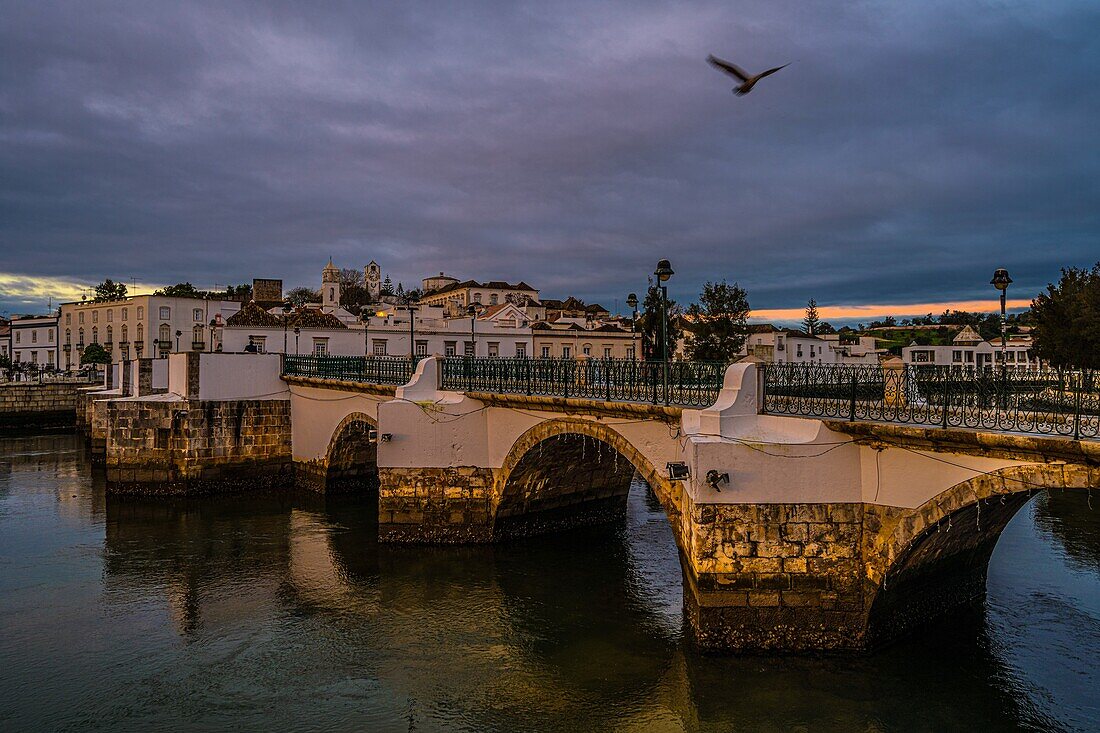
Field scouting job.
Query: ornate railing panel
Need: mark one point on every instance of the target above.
(692, 384)
(370, 370)
(1048, 401)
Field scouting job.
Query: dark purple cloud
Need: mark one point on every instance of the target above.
(907, 151)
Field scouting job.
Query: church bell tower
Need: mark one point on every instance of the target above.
(372, 273)
(330, 286)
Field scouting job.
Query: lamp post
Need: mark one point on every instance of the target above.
(1001, 281)
(474, 309)
(297, 330)
(287, 308)
(178, 334)
(365, 318)
(412, 331)
(663, 273)
(632, 303)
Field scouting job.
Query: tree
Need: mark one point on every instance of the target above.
(5, 365)
(181, 290)
(109, 290)
(825, 327)
(718, 329)
(239, 292)
(95, 354)
(301, 295)
(649, 325)
(1067, 320)
(400, 293)
(387, 286)
(350, 277)
(811, 321)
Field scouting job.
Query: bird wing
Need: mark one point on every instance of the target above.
(727, 67)
(769, 72)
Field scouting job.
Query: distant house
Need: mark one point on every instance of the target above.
(455, 297)
(789, 346)
(969, 349)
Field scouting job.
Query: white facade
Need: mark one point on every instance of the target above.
(141, 326)
(388, 334)
(969, 350)
(797, 347)
(34, 341)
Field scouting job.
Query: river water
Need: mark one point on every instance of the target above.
(283, 613)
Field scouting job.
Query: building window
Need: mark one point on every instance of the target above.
(196, 314)
(477, 297)
(68, 336)
(165, 313)
(140, 332)
(50, 332)
(449, 348)
(68, 319)
(493, 299)
(260, 342)
(49, 358)
(379, 347)
(125, 314)
(164, 335)
(320, 346)
(630, 352)
(566, 352)
(110, 315)
(799, 354)
(80, 318)
(421, 348)
(196, 336)
(545, 352)
(521, 350)
(95, 334)
(957, 356)
(469, 348)
(95, 316)
(970, 357)
(607, 352)
(18, 336)
(80, 338)
(125, 334)
(110, 334)
(141, 312)
(34, 336)
(494, 348)
(587, 349)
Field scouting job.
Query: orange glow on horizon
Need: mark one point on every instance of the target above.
(874, 312)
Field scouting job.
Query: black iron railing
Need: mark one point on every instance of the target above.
(370, 370)
(1054, 402)
(692, 384)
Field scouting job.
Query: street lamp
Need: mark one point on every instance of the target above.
(412, 331)
(1001, 281)
(297, 330)
(663, 273)
(287, 308)
(178, 334)
(474, 309)
(365, 318)
(632, 303)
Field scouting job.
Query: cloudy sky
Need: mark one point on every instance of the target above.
(908, 150)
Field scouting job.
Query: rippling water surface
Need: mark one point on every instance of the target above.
(283, 613)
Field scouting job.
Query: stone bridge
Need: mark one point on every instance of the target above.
(794, 533)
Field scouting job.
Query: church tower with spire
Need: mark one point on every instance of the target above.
(330, 286)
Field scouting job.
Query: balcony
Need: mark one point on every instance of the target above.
(198, 345)
(164, 345)
(68, 347)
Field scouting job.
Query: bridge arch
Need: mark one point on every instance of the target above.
(570, 471)
(927, 561)
(351, 461)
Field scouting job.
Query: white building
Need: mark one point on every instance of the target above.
(778, 346)
(141, 326)
(455, 297)
(34, 341)
(501, 331)
(969, 349)
(5, 338)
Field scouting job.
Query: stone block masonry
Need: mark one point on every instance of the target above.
(435, 505)
(47, 405)
(185, 447)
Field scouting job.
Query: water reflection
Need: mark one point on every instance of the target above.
(283, 610)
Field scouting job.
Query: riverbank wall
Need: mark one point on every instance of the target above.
(33, 405)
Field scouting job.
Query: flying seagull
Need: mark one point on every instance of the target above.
(747, 81)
